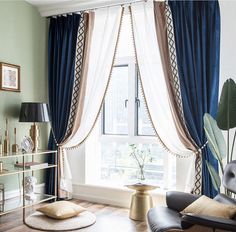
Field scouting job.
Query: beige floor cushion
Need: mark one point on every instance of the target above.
(61, 209)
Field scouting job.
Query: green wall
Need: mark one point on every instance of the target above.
(23, 41)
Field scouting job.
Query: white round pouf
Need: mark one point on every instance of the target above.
(39, 221)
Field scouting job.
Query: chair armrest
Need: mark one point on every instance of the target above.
(213, 222)
(179, 200)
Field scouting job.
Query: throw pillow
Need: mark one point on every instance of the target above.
(206, 206)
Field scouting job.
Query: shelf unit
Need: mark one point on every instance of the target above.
(10, 205)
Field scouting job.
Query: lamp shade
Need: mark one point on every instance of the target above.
(34, 112)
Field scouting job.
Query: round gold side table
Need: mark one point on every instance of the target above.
(141, 201)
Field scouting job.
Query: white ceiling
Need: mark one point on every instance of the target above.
(54, 7)
(43, 3)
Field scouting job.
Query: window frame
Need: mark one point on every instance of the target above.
(132, 104)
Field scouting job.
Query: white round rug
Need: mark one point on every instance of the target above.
(39, 221)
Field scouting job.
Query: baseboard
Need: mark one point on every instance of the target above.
(101, 200)
(102, 195)
(113, 196)
(16, 193)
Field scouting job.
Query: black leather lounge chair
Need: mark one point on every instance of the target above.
(161, 219)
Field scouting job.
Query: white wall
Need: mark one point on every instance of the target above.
(227, 70)
(228, 46)
(228, 40)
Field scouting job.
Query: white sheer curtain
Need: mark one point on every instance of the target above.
(103, 44)
(153, 81)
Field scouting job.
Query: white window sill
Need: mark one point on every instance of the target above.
(122, 186)
(113, 195)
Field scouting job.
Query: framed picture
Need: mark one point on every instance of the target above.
(9, 77)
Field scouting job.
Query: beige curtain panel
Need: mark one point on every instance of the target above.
(161, 31)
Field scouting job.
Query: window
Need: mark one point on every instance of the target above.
(115, 111)
(124, 108)
(124, 120)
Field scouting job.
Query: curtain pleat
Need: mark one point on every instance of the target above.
(197, 38)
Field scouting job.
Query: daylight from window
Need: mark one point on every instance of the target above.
(124, 120)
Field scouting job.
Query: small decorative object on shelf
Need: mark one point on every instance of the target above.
(31, 165)
(2, 197)
(27, 144)
(30, 182)
(6, 148)
(15, 147)
(141, 156)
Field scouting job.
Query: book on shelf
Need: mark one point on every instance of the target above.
(31, 165)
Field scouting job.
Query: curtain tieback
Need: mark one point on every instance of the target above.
(199, 150)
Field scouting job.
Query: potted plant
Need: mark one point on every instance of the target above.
(141, 156)
(225, 120)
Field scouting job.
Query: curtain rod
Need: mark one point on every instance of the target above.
(99, 7)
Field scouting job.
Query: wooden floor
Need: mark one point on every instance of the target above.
(109, 219)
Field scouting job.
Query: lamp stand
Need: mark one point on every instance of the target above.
(34, 134)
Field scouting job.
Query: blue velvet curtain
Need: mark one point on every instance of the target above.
(61, 66)
(197, 37)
